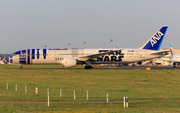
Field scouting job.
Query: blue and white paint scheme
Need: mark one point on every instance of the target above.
(175, 58)
(154, 43)
(72, 57)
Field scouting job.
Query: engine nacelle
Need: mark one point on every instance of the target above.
(139, 62)
(69, 62)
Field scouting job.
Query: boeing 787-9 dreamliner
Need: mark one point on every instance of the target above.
(72, 57)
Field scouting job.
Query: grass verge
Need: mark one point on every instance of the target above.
(162, 85)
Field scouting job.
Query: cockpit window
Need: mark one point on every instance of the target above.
(23, 52)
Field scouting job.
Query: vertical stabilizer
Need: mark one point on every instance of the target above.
(171, 50)
(117, 46)
(4, 59)
(154, 43)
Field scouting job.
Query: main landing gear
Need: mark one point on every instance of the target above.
(133, 65)
(88, 67)
(174, 65)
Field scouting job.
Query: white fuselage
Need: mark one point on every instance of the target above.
(54, 56)
(176, 58)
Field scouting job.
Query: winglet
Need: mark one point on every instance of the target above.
(154, 43)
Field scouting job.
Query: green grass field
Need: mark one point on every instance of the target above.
(14, 66)
(161, 87)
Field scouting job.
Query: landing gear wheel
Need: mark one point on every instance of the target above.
(88, 67)
(133, 65)
(119, 65)
(174, 65)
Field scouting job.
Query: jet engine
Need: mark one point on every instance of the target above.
(69, 62)
(139, 62)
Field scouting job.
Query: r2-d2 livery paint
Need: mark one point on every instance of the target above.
(38, 56)
(72, 57)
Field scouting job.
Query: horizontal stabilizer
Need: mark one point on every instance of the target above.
(160, 53)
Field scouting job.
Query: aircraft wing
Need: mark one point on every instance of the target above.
(160, 53)
(98, 55)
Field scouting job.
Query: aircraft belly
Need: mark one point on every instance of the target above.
(107, 62)
(37, 61)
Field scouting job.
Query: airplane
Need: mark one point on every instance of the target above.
(72, 57)
(3, 60)
(162, 61)
(175, 58)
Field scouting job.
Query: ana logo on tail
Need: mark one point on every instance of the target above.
(154, 43)
(156, 37)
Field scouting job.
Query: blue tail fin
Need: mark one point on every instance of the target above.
(154, 43)
(117, 46)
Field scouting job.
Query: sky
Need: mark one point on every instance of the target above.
(31, 24)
